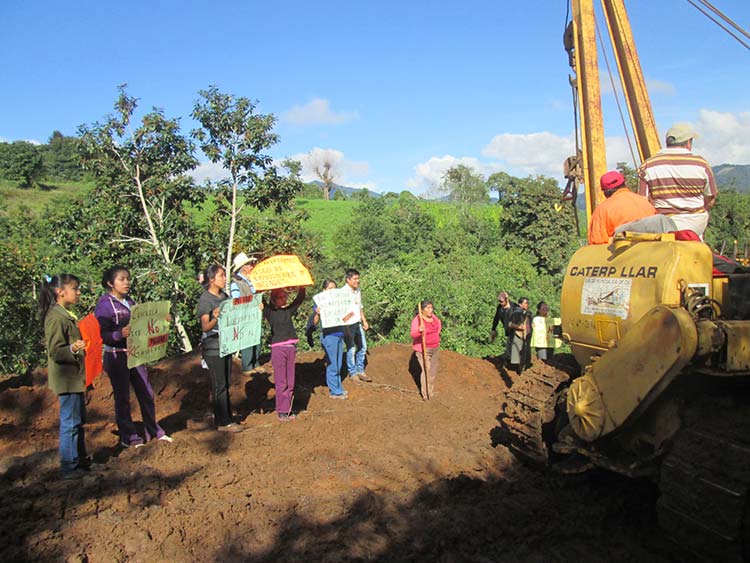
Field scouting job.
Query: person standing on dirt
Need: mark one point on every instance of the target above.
(542, 339)
(113, 313)
(355, 325)
(66, 372)
(426, 325)
(332, 340)
(504, 308)
(520, 324)
(679, 183)
(283, 347)
(219, 369)
(241, 286)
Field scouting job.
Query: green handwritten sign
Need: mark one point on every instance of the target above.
(149, 332)
(239, 324)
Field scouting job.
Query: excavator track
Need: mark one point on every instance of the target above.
(529, 410)
(704, 482)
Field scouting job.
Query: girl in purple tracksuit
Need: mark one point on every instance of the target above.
(113, 313)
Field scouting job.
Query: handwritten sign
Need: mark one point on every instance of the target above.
(239, 324)
(284, 270)
(149, 333)
(334, 306)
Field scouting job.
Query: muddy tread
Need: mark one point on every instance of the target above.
(704, 483)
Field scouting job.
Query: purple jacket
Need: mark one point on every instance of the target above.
(113, 316)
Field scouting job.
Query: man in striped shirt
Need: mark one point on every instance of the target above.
(679, 183)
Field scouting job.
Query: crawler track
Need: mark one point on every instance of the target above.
(530, 408)
(704, 482)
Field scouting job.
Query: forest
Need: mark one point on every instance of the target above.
(121, 192)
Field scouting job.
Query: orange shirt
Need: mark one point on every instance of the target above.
(622, 207)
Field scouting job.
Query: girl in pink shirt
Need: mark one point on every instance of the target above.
(429, 325)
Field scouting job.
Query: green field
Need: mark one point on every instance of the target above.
(37, 198)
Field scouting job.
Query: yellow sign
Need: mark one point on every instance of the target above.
(149, 333)
(280, 271)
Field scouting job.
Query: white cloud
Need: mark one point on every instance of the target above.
(723, 138)
(213, 171)
(660, 86)
(32, 141)
(343, 169)
(429, 174)
(317, 112)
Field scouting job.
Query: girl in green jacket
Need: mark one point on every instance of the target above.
(66, 368)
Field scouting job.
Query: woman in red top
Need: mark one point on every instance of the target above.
(429, 325)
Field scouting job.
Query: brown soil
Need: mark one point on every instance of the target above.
(381, 476)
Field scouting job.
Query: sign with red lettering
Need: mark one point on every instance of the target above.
(239, 324)
(149, 332)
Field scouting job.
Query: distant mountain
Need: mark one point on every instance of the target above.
(345, 189)
(735, 176)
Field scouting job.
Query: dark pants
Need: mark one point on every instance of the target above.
(250, 357)
(121, 378)
(282, 360)
(220, 373)
(72, 418)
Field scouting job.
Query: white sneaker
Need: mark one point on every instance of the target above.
(166, 438)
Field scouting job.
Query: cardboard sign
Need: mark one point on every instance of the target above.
(335, 306)
(239, 324)
(280, 271)
(149, 333)
(91, 333)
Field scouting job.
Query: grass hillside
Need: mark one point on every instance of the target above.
(37, 198)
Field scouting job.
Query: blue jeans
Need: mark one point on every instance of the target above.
(333, 344)
(355, 358)
(72, 417)
(250, 357)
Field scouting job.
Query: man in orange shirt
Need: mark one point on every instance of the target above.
(621, 206)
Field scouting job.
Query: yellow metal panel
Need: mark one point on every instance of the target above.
(738, 345)
(623, 285)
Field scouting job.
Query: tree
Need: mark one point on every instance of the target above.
(631, 176)
(502, 183)
(21, 162)
(465, 186)
(233, 134)
(61, 158)
(142, 192)
(534, 222)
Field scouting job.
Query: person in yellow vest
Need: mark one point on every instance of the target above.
(542, 333)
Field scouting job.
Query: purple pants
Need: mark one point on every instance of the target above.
(116, 366)
(282, 360)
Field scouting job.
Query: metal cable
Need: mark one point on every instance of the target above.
(724, 17)
(721, 25)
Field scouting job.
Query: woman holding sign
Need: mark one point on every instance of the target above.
(425, 333)
(219, 369)
(333, 343)
(113, 313)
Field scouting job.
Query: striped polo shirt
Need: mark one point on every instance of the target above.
(676, 181)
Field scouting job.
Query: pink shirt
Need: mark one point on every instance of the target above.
(432, 333)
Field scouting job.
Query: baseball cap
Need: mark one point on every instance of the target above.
(681, 132)
(612, 180)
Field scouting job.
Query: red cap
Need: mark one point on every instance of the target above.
(612, 180)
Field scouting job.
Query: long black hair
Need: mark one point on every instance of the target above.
(109, 275)
(210, 274)
(47, 293)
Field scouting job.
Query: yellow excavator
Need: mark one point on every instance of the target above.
(661, 385)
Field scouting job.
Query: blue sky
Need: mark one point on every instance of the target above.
(393, 92)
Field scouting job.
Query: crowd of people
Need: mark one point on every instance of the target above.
(675, 186)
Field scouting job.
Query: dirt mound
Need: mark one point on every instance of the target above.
(380, 476)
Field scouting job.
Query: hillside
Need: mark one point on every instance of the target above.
(382, 476)
(735, 176)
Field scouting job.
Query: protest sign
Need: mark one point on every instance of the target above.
(334, 305)
(239, 324)
(284, 270)
(149, 332)
(91, 334)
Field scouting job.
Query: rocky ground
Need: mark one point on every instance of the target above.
(380, 476)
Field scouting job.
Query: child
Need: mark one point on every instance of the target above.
(66, 370)
(113, 313)
(219, 369)
(283, 348)
(430, 326)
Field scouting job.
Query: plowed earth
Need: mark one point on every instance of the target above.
(380, 476)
